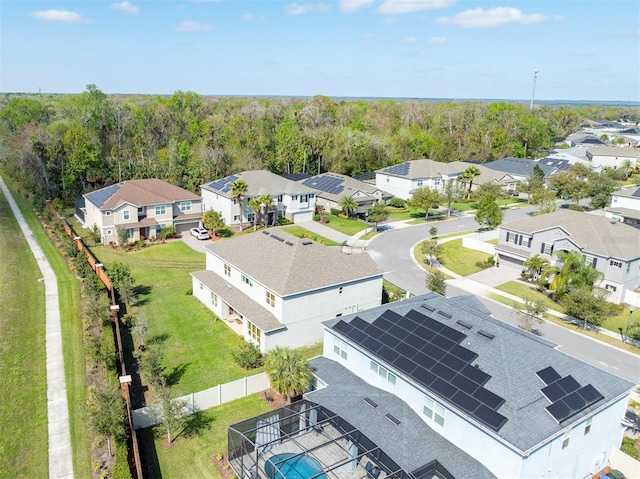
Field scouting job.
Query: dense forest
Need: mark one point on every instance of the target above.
(64, 145)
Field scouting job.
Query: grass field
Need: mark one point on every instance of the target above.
(301, 232)
(23, 408)
(461, 260)
(522, 290)
(73, 348)
(348, 227)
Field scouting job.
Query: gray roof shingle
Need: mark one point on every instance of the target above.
(259, 182)
(292, 265)
(512, 359)
(144, 192)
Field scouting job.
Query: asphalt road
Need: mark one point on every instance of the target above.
(393, 249)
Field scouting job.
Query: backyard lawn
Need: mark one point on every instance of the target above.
(461, 260)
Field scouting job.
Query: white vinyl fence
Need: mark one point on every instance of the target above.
(200, 401)
(477, 241)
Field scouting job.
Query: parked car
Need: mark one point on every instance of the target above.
(199, 233)
(514, 192)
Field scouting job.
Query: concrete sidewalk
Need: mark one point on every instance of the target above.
(60, 462)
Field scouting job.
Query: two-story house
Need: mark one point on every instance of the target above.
(141, 207)
(331, 187)
(431, 387)
(279, 287)
(625, 206)
(402, 179)
(613, 156)
(612, 248)
(290, 198)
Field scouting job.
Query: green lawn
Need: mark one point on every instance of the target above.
(348, 227)
(203, 439)
(196, 347)
(419, 257)
(301, 232)
(461, 260)
(401, 214)
(522, 290)
(23, 408)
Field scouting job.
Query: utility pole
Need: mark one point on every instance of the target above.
(533, 95)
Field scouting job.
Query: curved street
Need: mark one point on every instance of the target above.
(393, 252)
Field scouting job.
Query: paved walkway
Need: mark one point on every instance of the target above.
(60, 463)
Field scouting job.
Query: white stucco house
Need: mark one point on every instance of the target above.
(612, 248)
(625, 206)
(431, 387)
(613, 156)
(402, 179)
(291, 199)
(142, 207)
(279, 288)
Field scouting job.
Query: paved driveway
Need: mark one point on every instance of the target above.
(194, 243)
(493, 277)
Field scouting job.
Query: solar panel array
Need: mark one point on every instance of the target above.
(566, 395)
(223, 184)
(429, 352)
(401, 169)
(326, 183)
(100, 197)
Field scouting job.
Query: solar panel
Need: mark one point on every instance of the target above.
(575, 402)
(590, 394)
(383, 323)
(466, 384)
(443, 371)
(487, 397)
(453, 362)
(401, 169)
(465, 401)
(404, 364)
(442, 342)
(342, 327)
(559, 410)
(414, 341)
(387, 354)
(101, 196)
(423, 376)
(443, 388)
(553, 392)
(359, 323)
(452, 334)
(357, 335)
(371, 344)
(568, 384)
(489, 417)
(397, 331)
(463, 353)
(548, 375)
(475, 374)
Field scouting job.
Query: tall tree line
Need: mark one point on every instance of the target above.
(64, 145)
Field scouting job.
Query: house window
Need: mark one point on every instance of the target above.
(141, 210)
(294, 197)
(383, 372)
(271, 299)
(615, 263)
(250, 217)
(185, 206)
(566, 439)
(107, 213)
(304, 198)
(201, 286)
(387, 179)
(246, 280)
(436, 182)
(587, 425)
(254, 332)
(420, 183)
(546, 248)
(236, 218)
(161, 210)
(227, 270)
(312, 195)
(279, 198)
(214, 300)
(340, 290)
(125, 215)
(433, 410)
(610, 287)
(592, 260)
(108, 233)
(340, 347)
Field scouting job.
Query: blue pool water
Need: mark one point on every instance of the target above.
(291, 466)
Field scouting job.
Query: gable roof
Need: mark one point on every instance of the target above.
(259, 182)
(615, 151)
(508, 361)
(628, 192)
(334, 186)
(594, 233)
(422, 169)
(143, 192)
(288, 265)
(518, 166)
(404, 443)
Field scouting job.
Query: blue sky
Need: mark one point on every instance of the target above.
(584, 49)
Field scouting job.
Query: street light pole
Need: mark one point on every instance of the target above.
(533, 95)
(626, 334)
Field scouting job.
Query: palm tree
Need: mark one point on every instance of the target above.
(289, 373)
(468, 175)
(238, 190)
(535, 264)
(574, 272)
(627, 167)
(266, 202)
(348, 204)
(255, 205)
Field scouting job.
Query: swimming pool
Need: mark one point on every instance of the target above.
(292, 466)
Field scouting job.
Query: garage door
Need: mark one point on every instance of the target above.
(510, 263)
(185, 227)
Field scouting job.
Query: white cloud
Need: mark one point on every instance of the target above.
(249, 16)
(437, 40)
(192, 26)
(300, 9)
(125, 7)
(408, 6)
(493, 17)
(62, 16)
(410, 40)
(354, 5)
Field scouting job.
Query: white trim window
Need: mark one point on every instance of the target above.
(271, 298)
(185, 206)
(126, 215)
(214, 299)
(254, 332)
(107, 213)
(587, 425)
(613, 262)
(566, 438)
(109, 233)
(434, 410)
(340, 347)
(227, 270)
(383, 372)
(161, 210)
(246, 280)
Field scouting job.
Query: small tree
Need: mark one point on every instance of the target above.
(212, 220)
(140, 329)
(450, 193)
(376, 214)
(425, 198)
(152, 368)
(94, 234)
(431, 249)
(529, 312)
(288, 372)
(467, 176)
(435, 281)
(172, 411)
(348, 205)
(535, 264)
(105, 407)
(247, 355)
(255, 205)
(488, 212)
(586, 304)
(122, 235)
(433, 231)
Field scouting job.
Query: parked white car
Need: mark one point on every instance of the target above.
(199, 233)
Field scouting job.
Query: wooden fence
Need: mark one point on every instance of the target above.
(135, 464)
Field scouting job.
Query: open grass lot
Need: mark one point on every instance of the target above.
(301, 232)
(461, 260)
(401, 214)
(348, 227)
(23, 408)
(196, 348)
(73, 348)
(205, 436)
